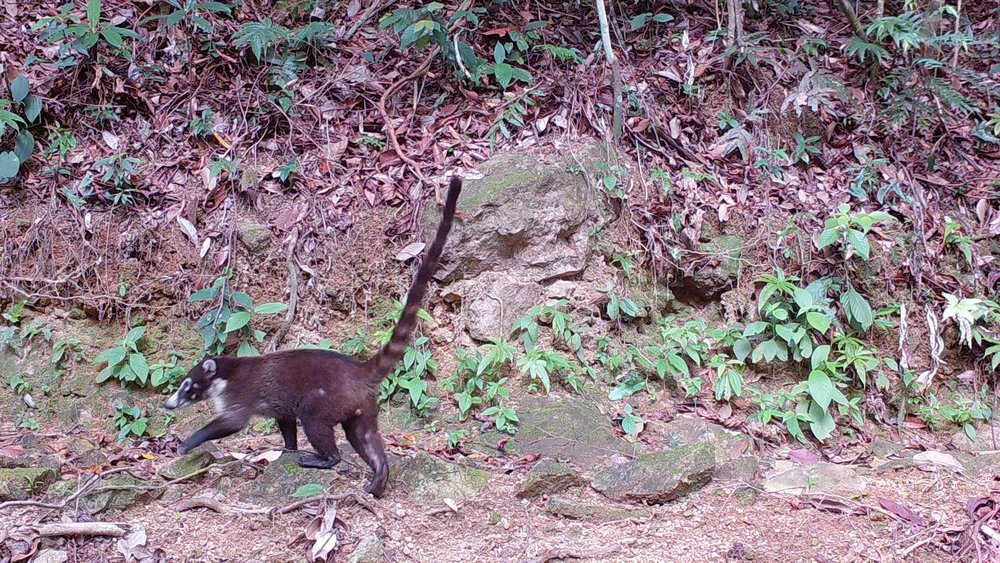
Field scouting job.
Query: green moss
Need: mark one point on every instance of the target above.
(21, 482)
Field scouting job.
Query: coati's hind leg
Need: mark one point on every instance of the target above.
(362, 433)
(319, 431)
(289, 433)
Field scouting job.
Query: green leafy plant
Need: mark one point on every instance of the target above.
(513, 115)
(805, 146)
(504, 417)
(976, 319)
(728, 377)
(631, 422)
(194, 11)
(119, 173)
(125, 362)
(426, 25)
(455, 437)
(478, 377)
(203, 126)
(851, 231)
(638, 22)
(30, 107)
(129, 421)
(233, 315)
(81, 34)
(954, 235)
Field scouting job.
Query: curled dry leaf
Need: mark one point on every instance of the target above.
(204, 247)
(411, 250)
(188, 229)
(111, 140)
(933, 461)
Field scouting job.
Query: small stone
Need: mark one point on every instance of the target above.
(256, 236)
(50, 556)
(547, 477)
(395, 535)
(883, 448)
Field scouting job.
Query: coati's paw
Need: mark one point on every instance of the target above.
(317, 462)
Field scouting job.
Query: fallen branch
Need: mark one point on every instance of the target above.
(564, 553)
(852, 16)
(79, 529)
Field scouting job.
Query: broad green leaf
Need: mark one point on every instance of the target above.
(802, 298)
(741, 349)
(755, 328)
(821, 422)
(857, 308)
(819, 321)
(139, 427)
(242, 299)
(270, 308)
(499, 53)
(112, 36)
(93, 13)
(821, 388)
(32, 107)
(19, 88)
(246, 349)
(24, 144)
(105, 374)
(819, 356)
(204, 294)
(504, 74)
(137, 362)
(9, 164)
(827, 237)
(112, 356)
(859, 241)
(237, 321)
(135, 334)
(308, 490)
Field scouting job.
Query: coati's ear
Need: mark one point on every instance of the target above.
(209, 367)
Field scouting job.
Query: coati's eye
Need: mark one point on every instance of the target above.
(194, 396)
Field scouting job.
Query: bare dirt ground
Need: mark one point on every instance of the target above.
(493, 525)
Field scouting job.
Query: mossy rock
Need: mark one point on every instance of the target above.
(660, 476)
(579, 510)
(19, 483)
(284, 476)
(686, 430)
(524, 215)
(570, 428)
(430, 480)
(548, 477)
(708, 282)
(369, 550)
(187, 464)
(121, 492)
(256, 236)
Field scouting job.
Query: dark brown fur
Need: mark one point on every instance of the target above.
(319, 388)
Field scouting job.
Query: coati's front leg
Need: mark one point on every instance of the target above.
(219, 427)
(289, 433)
(319, 431)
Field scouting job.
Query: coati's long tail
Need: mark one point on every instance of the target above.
(382, 363)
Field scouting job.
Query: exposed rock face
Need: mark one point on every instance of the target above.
(284, 476)
(369, 550)
(429, 479)
(659, 477)
(579, 510)
(821, 479)
(727, 445)
(569, 428)
(526, 223)
(547, 477)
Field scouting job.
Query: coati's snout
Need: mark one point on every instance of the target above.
(197, 386)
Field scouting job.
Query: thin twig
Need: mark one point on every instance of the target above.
(293, 295)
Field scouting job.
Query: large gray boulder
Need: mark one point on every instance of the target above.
(659, 477)
(570, 428)
(526, 222)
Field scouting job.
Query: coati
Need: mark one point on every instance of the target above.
(320, 388)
